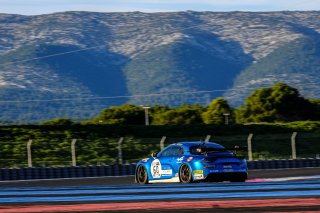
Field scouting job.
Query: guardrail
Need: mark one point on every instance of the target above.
(122, 170)
(63, 151)
(66, 172)
(283, 164)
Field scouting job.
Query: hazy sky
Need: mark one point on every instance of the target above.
(32, 7)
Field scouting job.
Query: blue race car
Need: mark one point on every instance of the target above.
(188, 162)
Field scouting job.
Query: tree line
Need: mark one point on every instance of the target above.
(279, 103)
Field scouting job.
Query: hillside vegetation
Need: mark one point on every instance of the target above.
(150, 59)
(98, 144)
(97, 137)
(296, 62)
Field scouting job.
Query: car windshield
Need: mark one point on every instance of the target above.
(203, 149)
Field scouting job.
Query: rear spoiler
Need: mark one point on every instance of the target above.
(235, 148)
(219, 157)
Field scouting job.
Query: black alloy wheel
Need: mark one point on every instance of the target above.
(142, 175)
(185, 174)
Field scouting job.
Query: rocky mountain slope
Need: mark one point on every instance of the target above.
(127, 57)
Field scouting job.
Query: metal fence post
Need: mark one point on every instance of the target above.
(29, 153)
(163, 139)
(249, 140)
(293, 145)
(73, 152)
(207, 138)
(120, 150)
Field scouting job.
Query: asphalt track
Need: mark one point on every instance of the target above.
(290, 190)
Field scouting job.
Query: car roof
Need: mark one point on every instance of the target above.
(187, 144)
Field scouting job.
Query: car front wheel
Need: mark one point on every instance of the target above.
(185, 175)
(142, 175)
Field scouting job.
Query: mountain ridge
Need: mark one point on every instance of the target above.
(135, 54)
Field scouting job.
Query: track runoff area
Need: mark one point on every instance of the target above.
(289, 190)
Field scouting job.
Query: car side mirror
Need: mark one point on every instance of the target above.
(154, 154)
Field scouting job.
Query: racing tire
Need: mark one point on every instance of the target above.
(185, 174)
(142, 175)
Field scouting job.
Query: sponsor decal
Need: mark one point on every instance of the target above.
(179, 160)
(189, 159)
(170, 180)
(198, 172)
(167, 172)
(145, 159)
(227, 160)
(222, 170)
(198, 176)
(156, 169)
(228, 170)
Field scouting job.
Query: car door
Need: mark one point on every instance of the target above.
(176, 159)
(162, 166)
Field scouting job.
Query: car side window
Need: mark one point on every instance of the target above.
(176, 151)
(165, 152)
(171, 151)
(180, 151)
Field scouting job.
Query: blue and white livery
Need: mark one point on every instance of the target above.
(188, 162)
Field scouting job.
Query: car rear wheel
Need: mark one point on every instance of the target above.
(185, 174)
(142, 175)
